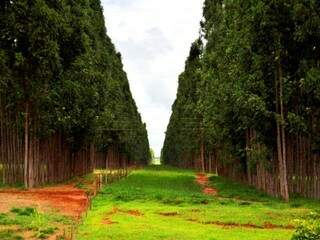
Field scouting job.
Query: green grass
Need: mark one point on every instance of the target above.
(166, 203)
(20, 220)
(9, 235)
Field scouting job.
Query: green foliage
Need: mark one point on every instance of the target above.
(228, 85)
(183, 130)
(308, 229)
(9, 235)
(24, 211)
(45, 233)
(5, 220)
(57, 57)
(41, 225)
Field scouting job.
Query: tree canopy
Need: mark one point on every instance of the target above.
(257, 69)
(57, 57)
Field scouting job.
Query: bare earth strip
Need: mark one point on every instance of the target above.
(65, 199)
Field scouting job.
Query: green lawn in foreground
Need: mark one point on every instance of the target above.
(166, 203)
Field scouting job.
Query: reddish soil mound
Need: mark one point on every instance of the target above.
(66, 199)
(203, 181)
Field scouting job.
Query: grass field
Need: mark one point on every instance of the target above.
(167, 203)
(28, 223)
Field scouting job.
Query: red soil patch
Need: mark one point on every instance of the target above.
(266, 225)
(115, 210)
(107, 221)
(66, 199)
(169, 214)
(210, 191)
(135, 213)
(203, 181)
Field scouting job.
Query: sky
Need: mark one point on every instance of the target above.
(154, 39)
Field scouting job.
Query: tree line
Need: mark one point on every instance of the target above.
(248, 102)
(65, 100)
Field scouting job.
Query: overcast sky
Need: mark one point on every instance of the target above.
(154, 38)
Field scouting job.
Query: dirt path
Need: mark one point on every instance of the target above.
(203, 181)
(66, 199)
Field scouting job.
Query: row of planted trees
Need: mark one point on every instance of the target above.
(248, 103)
(65, 101)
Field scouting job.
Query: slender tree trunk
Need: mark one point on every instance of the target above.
(281, 137)
(26, 145)
(92, 157)
(202, 152)
(210, 162)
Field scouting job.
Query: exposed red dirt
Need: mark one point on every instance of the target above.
(233, 225)
(203, 181)
(266, 225)
(135, 213)
(210, 191)
(107, 221)
(115, 210)
(66, 199)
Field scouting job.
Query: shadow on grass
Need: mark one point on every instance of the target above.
(229, 189)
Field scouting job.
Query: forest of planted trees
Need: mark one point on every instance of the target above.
(243, 138)
(65, 101)
(248, 103)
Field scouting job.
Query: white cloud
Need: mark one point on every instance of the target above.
(154, 37)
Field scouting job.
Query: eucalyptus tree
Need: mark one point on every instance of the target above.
(61, 75)
(256, 93)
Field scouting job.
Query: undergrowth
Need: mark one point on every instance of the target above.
(42, 225)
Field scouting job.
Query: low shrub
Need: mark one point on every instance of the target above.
(24, 211)
(309, 228)
(9, 235)
(45, 233)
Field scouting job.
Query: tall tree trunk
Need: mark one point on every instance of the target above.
(281, 137)
(92, 157)
(26, 145)
(202, 152)
(210, 163)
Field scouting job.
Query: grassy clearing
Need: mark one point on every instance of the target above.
(28, 223)
(166, 203)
